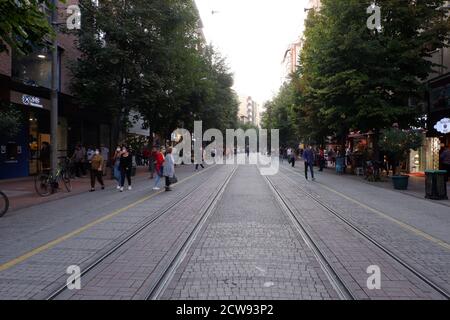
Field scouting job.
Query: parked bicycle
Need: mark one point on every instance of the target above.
(45, 184)
(4, 203)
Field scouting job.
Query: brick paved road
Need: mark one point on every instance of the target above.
(248, 248)
(416, 220)
(35, 227)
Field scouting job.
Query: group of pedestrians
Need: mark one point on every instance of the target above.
(162, 163)
(82, 159)
(123, 166)
(308, 156)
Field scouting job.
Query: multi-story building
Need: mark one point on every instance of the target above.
(248, 111)
(25, 82)
(291, 60)
(314, 4)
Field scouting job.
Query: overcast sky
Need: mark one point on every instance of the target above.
(253, 35)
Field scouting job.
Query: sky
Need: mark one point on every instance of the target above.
(253, 35)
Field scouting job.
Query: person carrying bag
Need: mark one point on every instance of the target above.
(169, 169)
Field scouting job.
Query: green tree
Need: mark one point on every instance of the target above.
(362, 79)
(146, 56)
(397, 143)
(23, 25)
(280, 114)
(10, 121)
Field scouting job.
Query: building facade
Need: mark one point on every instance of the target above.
(290, 61)
(249, 112)
(25, 83)
(438, 106)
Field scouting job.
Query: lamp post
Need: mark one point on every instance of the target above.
(54, 92)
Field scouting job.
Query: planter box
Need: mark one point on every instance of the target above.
(400, 182)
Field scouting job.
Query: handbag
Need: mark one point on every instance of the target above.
(173, 179)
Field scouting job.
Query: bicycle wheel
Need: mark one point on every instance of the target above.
(66, 179)
(43, 184)
(4, 203)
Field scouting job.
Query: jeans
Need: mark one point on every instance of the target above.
(125, 172)
(158, 177)
(311, 167)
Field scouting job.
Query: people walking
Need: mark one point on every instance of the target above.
(445, 161)
(116, 168)
(201, 163)
(78, 159)
(126, 164)
(97, 163)
(44, 156)
(152, 161)
(308, 156)
(159, 162)
(89, 155)
(321, 159)
(169, 168)
(104, 151)
(291, 157)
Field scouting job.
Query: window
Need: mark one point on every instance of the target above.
(35, 69)
(440, 98)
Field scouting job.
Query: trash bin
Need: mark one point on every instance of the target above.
(435, 185)
(340, 164)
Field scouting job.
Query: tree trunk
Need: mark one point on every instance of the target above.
(376, 145)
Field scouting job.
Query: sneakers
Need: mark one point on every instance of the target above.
(168, 189)
(129, 188)
(92, 190)
(103, 187)
(121, 189)
(156, 188)
(118, 187)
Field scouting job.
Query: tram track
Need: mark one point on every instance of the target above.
(156, 291)
(342, 290)
(132, 235)
(418, 274)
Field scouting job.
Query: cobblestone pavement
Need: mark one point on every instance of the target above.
(100, 219)
(138, 265)
(414, 229)
(249, 250)
(22, 194)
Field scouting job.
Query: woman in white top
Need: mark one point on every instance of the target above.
(169, 168)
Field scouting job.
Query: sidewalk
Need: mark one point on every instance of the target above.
(416, 185)
(21, 192)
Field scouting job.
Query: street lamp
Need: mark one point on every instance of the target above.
(54, 92)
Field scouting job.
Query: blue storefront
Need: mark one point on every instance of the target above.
(14, 155)
(19, 155)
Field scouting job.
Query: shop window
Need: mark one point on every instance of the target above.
(34, 69)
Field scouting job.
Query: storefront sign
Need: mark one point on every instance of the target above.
(443, 126)
(29, 100)
(32, 101)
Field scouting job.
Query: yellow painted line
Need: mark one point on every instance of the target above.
(388, 217)
(53, 243)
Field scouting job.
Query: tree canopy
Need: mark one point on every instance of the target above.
(147, 56)
(351, 77)
(23, 25)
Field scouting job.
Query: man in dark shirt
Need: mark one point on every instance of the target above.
(445, 161)
(308, 156)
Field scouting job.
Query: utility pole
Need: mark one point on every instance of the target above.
(54, 92)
